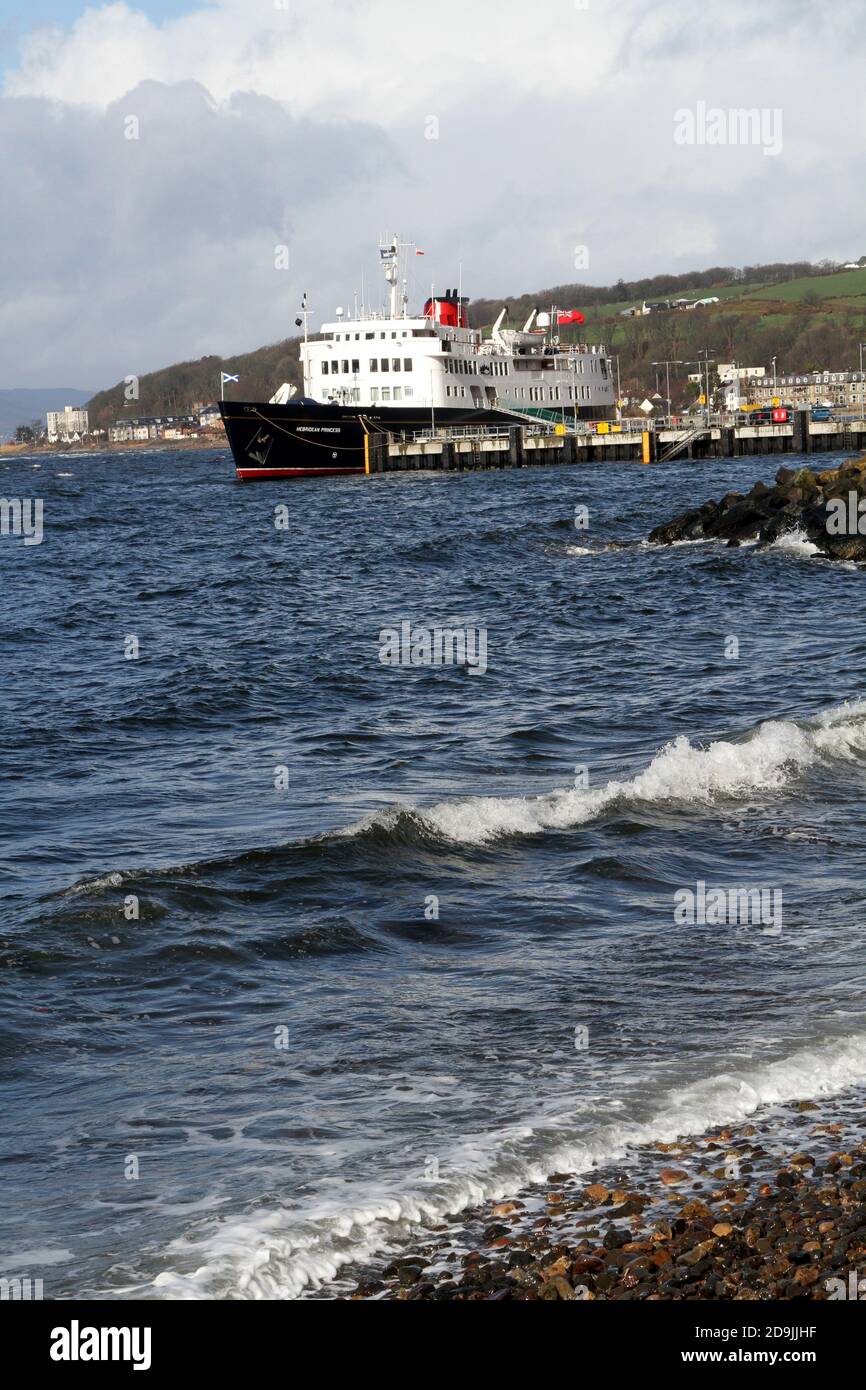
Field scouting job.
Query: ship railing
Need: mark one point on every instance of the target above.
(460, 432)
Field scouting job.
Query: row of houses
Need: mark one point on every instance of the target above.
(144, 427)
(758, 386)
(845, 390)
(72, 424)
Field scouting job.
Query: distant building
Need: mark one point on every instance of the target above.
(846, 389)
(152, 427)
(731, 371)
(125, 432)
(209, 417)
(68, 423)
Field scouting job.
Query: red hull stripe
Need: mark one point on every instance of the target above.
(246, 473)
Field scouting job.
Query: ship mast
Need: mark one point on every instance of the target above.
(390, 255)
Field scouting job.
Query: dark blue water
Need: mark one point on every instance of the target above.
(286, 1058)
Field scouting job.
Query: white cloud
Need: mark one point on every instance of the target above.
(307, 125)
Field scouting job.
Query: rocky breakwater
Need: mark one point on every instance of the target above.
(828, 508)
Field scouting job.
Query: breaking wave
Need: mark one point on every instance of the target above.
(274, 1253)
(768, 760)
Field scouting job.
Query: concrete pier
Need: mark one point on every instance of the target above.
(527, 445)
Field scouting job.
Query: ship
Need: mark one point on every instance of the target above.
(389, 372)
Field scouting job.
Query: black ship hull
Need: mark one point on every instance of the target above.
(304, 439)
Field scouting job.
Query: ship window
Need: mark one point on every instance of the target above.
(386, 393)
(374, 393)
(374, 364)
(407, 364)
(368, 336)
(345, 366)
(325, 367)
(398, 393)
(356, 366)
(395, 364)
(386, 365)
(408, 392)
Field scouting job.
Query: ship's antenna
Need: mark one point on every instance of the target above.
(303, 317)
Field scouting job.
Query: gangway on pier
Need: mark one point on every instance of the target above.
(540, 415)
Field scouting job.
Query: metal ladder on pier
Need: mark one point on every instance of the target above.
(679, 444)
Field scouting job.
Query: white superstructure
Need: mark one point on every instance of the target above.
(435, 360)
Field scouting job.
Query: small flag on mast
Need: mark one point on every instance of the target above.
(227, 377)
(570, 316)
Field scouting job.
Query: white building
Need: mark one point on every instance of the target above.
(126, 433)
(730, 371)
(68, 423)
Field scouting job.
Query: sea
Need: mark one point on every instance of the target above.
(375, 847)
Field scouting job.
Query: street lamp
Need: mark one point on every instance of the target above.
(667, 364)
(618, 387)
(703, 360)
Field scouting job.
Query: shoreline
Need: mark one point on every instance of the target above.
(131, 445)
(772, 1208)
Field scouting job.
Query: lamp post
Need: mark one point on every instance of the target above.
(862, 393)
(667, 364)
(618, 388)
(704, 360)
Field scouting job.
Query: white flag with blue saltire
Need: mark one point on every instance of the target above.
(227, 377)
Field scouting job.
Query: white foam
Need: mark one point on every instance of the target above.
(280, 1253)
(768, 760)
(796, 543)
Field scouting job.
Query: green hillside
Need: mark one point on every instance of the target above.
(807, 317)
(176, 390)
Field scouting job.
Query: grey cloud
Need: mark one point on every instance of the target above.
(122, 254)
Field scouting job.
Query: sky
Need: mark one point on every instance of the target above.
(177, 175)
